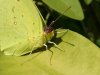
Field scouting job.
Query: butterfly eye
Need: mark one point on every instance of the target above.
(48, 29)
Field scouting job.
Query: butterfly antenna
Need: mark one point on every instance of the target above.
(52, 23)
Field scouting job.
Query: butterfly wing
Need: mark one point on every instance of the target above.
(19, 22)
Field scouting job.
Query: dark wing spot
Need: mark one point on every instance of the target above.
(33, 23)
(13, 9)
(14, 17)
(18, 0)
(22, 15)
(15, 23)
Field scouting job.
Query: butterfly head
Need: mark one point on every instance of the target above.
(48, 29)
(48, 32)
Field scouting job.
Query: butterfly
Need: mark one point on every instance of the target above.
(22, 29)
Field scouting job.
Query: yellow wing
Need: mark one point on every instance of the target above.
(20, 26)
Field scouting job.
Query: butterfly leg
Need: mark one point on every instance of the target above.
(55, 45)
(50, 51)
(46, 46)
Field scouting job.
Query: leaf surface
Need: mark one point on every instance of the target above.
(81, 59)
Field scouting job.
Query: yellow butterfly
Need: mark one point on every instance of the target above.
(22, 29)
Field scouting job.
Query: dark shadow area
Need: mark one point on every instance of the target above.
(55, 40)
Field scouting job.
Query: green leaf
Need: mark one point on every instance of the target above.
(75, 12)
(88, 1)
(81, 59)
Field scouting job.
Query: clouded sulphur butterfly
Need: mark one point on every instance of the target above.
(22, 29)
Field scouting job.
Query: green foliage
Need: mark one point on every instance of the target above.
(74, 12)
(88, 1)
